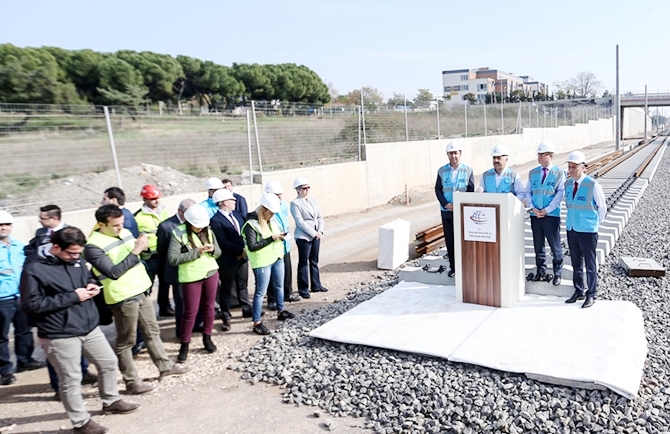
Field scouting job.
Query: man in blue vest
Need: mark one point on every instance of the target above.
(455, 176)
(500, 179)
(586, 210)
(544, 193)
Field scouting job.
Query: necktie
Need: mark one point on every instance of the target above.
(574, 189)
(234, 221)
(544, 174)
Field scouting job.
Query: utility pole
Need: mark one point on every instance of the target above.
(646, 110)
(618, 104)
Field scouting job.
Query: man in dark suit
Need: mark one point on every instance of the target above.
(240, 201)
(169, 272)
(50, 219)
(233, 265)
(116, 196)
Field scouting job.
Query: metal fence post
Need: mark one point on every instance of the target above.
(251, 164)
(111, 143)
(365, 139)
(465, 109)
(502, 115)
(439, 131)
(485, 126)
(359, 111)
(258, 146)
(406, 125)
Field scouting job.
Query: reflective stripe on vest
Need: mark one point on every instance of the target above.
(462, 176)
(582, 210)
(199, 268)
(269, 254)
(506, 182)
(134, 281)
(543, 193)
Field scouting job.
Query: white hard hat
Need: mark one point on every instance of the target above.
(222, 194)
(499, 151)
(453, 146)
(300, 180)
(577, 157)
(213, 184)
(546, 146)
(6, 217)
(274, 187)
(197, 216)
(271, 202)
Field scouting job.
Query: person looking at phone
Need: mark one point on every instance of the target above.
(264, 244)
(57, 292)
(114, 254)
(193, 250)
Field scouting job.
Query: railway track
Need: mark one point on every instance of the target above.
(616, 171)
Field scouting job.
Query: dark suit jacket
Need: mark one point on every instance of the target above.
(41, 238)
(230, 242)
(241, 206)
(130, 223)
(164, 234)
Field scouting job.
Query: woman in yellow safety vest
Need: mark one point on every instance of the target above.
(193, 249)
(265, 249)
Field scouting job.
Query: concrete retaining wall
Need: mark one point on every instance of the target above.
(388, 168)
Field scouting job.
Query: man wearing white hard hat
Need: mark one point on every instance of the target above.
(587, 208)
(309, 227)
(11, 264)
(544, 193)
(274, 187)
(455, 176)
(501, 179)
(240, 201)
(212, 184)
(233, 265)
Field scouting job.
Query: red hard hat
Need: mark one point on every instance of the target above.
(150, 192)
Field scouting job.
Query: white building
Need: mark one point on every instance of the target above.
(482, 81)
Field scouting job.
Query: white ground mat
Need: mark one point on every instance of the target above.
(541, 335)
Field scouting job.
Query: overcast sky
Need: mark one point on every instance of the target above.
(395, 46)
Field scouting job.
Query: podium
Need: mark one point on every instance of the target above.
(489, 248)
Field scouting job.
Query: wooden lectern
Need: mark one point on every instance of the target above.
(490, 247)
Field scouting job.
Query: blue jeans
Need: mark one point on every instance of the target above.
(263, 276)
(308, 265)
(11, 313)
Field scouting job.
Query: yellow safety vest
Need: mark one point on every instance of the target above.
(199, 268)
(148, 223)
(269, 254)
(134, 281)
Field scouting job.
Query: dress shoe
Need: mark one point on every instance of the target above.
(7, 379)
(30, 366)
(272, 306)
(89, 378)
(576, 296)
(320, 289)
(174, 371)
(590, 301)
(166, 312)
(225, 326)
(120, 407)
(91, 427)
(304, 294)
(539, 276)
(138, 387)
(556, 281)
(291, 298)
(451, 273)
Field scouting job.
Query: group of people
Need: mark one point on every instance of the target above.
(547, 188)
(67, 284)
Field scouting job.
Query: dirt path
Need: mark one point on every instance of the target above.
(212, 398)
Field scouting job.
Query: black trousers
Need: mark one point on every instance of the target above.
(448, 229)
(548, 228)
(288, 279)
(233, 287)
(308, 265)
(582, 247)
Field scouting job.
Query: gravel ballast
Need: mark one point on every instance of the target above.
(402, 392)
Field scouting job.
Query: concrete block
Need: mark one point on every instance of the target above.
(393, 244)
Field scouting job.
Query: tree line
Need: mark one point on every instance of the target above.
(52, 75)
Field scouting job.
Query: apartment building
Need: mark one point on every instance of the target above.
(483, 81)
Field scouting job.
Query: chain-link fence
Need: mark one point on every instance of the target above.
(40, 143)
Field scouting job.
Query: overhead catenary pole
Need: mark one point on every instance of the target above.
(618, 104)
(646, 110)
(111, 143)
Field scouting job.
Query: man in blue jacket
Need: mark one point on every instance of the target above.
(11, 265)
(455, 176)
(57, 292)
